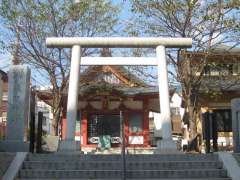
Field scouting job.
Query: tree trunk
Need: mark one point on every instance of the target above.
(194, 139)
(55, 122)
(54, 127)
(192, 123)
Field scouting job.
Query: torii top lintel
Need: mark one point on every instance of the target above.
(118, 42)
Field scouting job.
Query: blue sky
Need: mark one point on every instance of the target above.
(125, 11)
(4, 55)
(5, 58)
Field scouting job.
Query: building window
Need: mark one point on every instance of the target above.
(236, 69)
(222, 69)
(135, 122)
(111, 78)
(78, 122)
(5, 96)
(108, 77)
(103, 124)
(226, 69)
(175, 111)
(44, 121)
(206, 70)
(224, 120)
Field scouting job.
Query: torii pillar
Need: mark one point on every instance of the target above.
(69, 143)
(166, 145)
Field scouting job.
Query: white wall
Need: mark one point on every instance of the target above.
(176, 101)
(41, 106)
(46, 109)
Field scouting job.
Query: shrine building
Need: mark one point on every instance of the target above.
(106, 94)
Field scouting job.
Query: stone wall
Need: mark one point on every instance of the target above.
(5, 161)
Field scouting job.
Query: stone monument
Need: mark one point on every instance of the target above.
(1, 94)
(18, 109)
(235, 106)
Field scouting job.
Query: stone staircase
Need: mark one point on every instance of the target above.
(79, 166)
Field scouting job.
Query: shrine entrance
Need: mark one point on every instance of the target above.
(165, 144)
(103, 125)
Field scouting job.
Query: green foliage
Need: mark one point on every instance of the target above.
(30, 22)
(60, 17)
(35, 20)
(201, 20)
(207, 22)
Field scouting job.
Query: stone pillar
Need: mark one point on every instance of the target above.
(235, 106)
(166, 145)
(18, 102)
(72, 105)
(1, 94)
(18, 108)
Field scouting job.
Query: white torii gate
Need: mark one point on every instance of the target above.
(166, 144)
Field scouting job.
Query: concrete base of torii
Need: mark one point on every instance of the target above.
(69, 146)
(166, 146)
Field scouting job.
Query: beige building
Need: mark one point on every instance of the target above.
(219, 85)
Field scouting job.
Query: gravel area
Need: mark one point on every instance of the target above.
(5, 160)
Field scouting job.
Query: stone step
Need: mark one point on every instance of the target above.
(113, 174)
(116, 165)
(155, 157)
(131, 179)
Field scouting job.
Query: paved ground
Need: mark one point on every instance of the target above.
(5, 160)
(237, 157)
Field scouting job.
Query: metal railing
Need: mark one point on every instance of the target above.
(123, 147)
